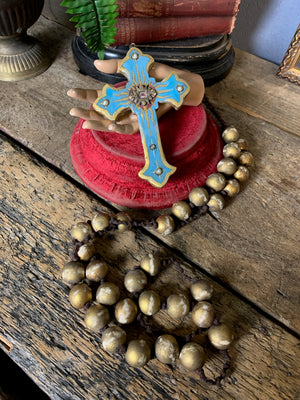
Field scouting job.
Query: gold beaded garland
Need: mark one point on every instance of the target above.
(231, 171)
(96, 317)
(199, 196)
(181, 210)
(108, 293)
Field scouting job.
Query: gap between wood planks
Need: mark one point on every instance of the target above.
(176, 252)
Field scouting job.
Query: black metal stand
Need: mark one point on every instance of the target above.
(210, 56)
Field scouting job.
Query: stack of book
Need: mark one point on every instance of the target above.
(190, 34)
(145, 21)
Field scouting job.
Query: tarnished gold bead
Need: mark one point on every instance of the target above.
(199, 196)
(232, 187)
(87, 251)
(81, 231)
(149, 302)
(231, 150)
(203, 314)
(242, 173)
(80, 295)
(192, 356)
(108, 293)
(246, 158)
(216, 202)
(227, 166)
(123, 217)
(181, 210)
(138, 353)
(135, 281)
(126, 311)
(230, 135)
(202, 290)
(96, 270)
(178, 305)
(151, 264)
(220, 336)
(166, 225)
(216, 182)
(73, 272)
(166, 349)
(113, 338)
(242, 143)
(96, 317)
(100, 221)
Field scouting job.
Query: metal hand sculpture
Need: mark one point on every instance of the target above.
(142, 95)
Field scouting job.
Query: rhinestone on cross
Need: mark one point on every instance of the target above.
(142, 94)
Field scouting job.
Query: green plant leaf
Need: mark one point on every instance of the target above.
(97, 19)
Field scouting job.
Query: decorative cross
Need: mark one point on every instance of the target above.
(142, 95)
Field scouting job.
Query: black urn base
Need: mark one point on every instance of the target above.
(210, 56)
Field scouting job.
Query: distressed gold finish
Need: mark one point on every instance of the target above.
(21, 56)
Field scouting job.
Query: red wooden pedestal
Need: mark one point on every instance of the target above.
(109, 162)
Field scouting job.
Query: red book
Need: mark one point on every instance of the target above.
(173, 8)
(145, 30)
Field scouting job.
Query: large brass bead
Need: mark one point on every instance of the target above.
(181, 210)
(242, 173)
(166, 225)
(73, 272)
(192, 356)
(178, 306)
(80, 295)
(232, 187)
(149, 302)
(199, 196)
(96, 270)
(81, 231)
(123, 217)
(126, 311)
(100, 221)
(246, 159)
(96, 317)
(108, 293)
(216, 202)
(135, 281)
(220, 336)
(203, 314)
(231, 150)
(230, 135)
(166, 349)
(216, 182)
(243, 145)
(227, 166)
(202, 290)
(151, 264)
(138, 353)
(113, 338)
(87, 251)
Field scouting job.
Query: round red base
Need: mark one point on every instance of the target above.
(109, 162)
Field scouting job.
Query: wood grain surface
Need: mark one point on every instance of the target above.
(254, 245)
(47, 336)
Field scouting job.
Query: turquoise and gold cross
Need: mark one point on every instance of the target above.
(142, 94)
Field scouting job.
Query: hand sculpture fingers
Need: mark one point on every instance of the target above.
(89, 95)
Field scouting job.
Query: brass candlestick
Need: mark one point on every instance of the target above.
(21, 56)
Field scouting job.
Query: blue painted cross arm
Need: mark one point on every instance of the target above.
(142, 94)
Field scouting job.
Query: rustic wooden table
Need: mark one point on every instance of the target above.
(250, 252)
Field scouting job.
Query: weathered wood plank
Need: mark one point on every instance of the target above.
(253, 87)
(254, 247)
(50, 342)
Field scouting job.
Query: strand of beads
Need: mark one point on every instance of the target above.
(232, 170)
(109, 309)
